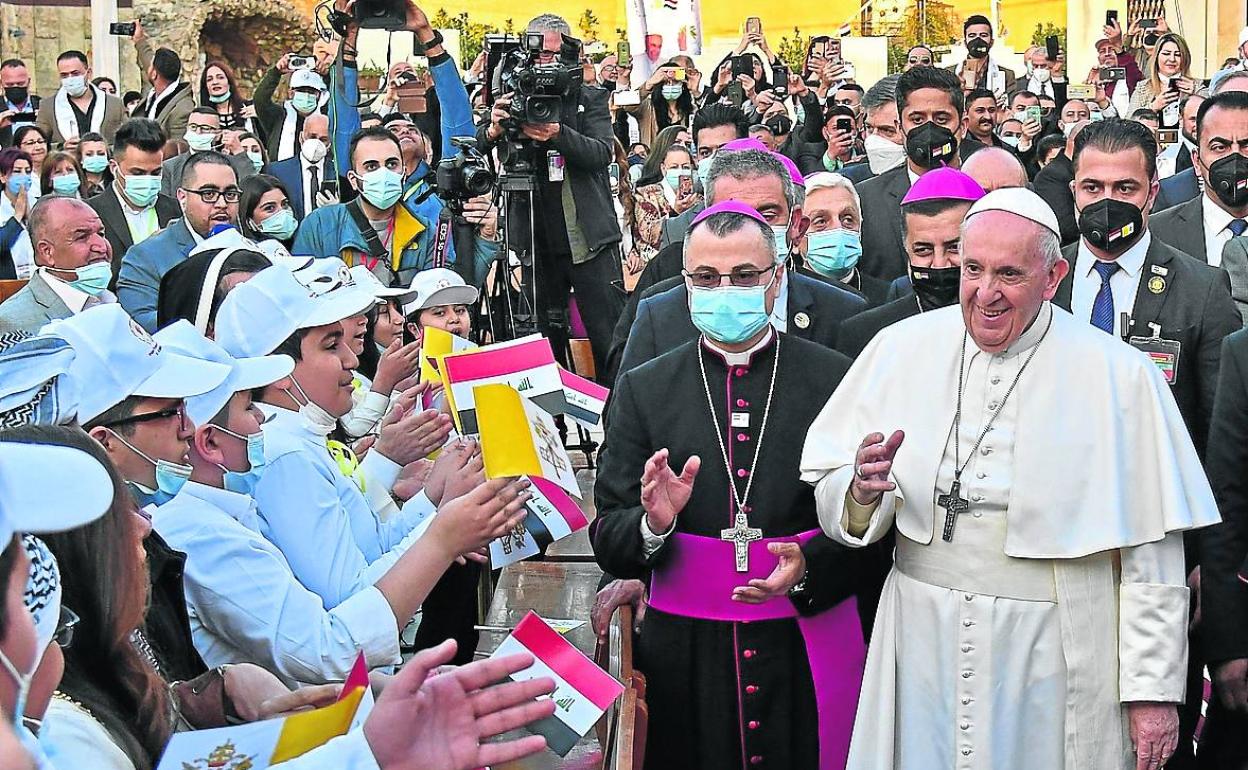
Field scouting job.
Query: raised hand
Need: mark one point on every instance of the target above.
(872, 465)
(489, 511)
(664, 494)
(397, 363)
(456, 472)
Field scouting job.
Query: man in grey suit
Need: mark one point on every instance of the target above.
(203, 120)
(930, 105)
(1203, 225)
(74, 266)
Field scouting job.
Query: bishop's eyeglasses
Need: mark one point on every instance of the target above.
(741, 277)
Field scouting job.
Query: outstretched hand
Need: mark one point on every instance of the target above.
(872, 465)
(663, 493)
(788, 573)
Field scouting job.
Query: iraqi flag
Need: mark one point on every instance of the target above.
(585, 399)
(583, 692)
(551, 515)
(527, 364)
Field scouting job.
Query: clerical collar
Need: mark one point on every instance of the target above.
(1028, 339)
(745, 357)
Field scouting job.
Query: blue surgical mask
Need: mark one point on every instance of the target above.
(200, 142)
(219, 99)
(704, 170)
(75, 85)
(304, 102)
(93, 279)
(673, 177)
(66, 184)
(170, 476)
(281, 225)
(141, 190)
(672, 91)
(833, 252)
(382, 187)
(95, 164)
(244, 483)
(781, 235)
(23, 689)
(729, 314)
(257, 160)
(18, 183)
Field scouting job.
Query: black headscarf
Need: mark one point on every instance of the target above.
(187, 286)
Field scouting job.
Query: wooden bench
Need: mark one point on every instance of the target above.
(9, 288)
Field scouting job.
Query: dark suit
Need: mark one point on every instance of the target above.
(1183, 227)
(1053, 185)
(1194, 307)
(171, 172)
(857, 332)
(873, 290)
(290, 173)
(858, 173)
(1180, 188)
(33, 306)
(883, 249)
(663, 321)
(117, 231)
(1223, 548)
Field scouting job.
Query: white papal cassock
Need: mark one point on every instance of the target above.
(1062, 595)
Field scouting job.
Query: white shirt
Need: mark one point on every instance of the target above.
(309, 192)
(1123, 284)
(155, 98)
(269, 617)
(1217, 229)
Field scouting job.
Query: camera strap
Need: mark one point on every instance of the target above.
(442, 238)
(376, 249)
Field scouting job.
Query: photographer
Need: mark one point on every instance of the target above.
(283, 123)
(579, 245)
(391, 227)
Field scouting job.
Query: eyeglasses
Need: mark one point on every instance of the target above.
(179, 411)
(212, 194)
(64, 635)
(741, 277)
(33, 143)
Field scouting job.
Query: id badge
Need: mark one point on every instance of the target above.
(1164, 354)
(554, 166)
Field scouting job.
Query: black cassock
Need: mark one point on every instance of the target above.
(721, 694)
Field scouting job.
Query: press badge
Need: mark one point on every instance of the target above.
(554, 166)
(1164, 353)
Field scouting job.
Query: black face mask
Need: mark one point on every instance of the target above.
(1111, 225)
(936, 287)
(978, 48)
(1228, 176)
(16, 94)
(931, 146)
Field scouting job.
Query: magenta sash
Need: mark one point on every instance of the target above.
(696, 581)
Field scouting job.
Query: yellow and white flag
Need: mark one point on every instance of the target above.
(519, 438)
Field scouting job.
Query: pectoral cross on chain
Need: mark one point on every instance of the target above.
(954, 504)
(741, 534)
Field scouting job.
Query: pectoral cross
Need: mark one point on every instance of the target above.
(954, 504)
(741, 534)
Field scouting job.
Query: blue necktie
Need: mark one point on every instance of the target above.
(1103, 307)
(1237, 227)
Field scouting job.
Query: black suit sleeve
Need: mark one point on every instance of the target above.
(588, 150)
(1220, 319)
(640, 346)
(1224, 599)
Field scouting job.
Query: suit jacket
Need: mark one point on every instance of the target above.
(144, 265)
(883, 249)
(1010, 79)
(858, 173)
(663, 321)
(675, 228)
(290, 173)
(1183, 227)
(1223, 547)
(1176, 189)
(1192, 304)
(1053, 185)
(857, 332)
(114, 114)
(171, 172)
(174, 110)
(1235, 263)
(117, 231)
(873, 290)
(33, 306)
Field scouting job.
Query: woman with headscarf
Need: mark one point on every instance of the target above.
(195, 288)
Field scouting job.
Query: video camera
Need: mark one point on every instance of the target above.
(537, 90)
(466, 175)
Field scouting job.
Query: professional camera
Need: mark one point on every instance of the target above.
(381, 14)
(466, 175)
(538, 90)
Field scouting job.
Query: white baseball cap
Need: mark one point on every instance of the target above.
(49, 488)
(438, 286)
(1021, 202)
(330, 278)
(115, 359)
(304, 78)
(245, 373)
(365, 279)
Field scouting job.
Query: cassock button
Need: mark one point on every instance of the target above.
(966, 752)
(966, 701)
(741, 371)
(965, 725)
(981, 475)
(967, 674)
(968, 623)
(977, 498)
(996, 380)
(742, 437)
(966, 648)
(747, 654)
(742, 473)
(742, 402)
(750, 689)
(753, 725)
(756, 760)
(986, 450)
(993, 405)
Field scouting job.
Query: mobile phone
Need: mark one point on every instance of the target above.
(780, 78)
(1107, 74)
(1111, 17)
(23, 117)
(685, 187)
(300, 62)
(121, 28)
(330, 186)
(679, 73)
(623, 54)
(1168, 135)
(1147, 23)
(1174, 84)
(613, 171)
(845, 124)
(754, 25)
(1035, 113)
(413, 99)
(1052, 47)
(742, 65)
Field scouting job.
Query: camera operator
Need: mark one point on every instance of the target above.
(283, 123)
(391, 227)
(578, 246)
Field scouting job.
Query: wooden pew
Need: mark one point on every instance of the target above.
(9, 288)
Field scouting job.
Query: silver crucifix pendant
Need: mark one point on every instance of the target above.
(741, 534)
(954, 505)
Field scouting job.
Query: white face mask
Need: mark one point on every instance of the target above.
(313, 150)
(882, 154)
(1042, 74)
(319, 421)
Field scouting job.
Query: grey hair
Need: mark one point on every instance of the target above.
(884, 92)
(828, 180)
(1220, 84)
(41, 215)
(748, 164)
(549, 22)
(726, 223)
(1047, 244)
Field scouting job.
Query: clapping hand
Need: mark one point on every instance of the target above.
(872, 465)
(664, 494)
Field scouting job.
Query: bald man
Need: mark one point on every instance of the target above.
(994, 168)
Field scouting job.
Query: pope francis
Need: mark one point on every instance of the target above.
(1040, 478)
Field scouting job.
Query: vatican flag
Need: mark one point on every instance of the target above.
(519, 438)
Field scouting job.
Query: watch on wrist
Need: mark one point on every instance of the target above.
(800, 590)
(433, 42)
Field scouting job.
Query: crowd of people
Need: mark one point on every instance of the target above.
(999, 518)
